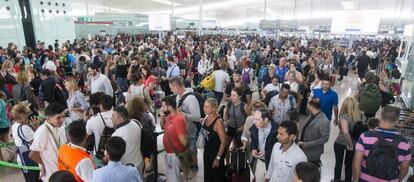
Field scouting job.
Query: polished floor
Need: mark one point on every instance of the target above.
(344, 88)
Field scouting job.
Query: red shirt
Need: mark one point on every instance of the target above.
(175, 126)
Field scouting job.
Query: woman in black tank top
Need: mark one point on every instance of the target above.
(215, 143)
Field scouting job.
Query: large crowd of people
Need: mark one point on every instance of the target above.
(87, 110)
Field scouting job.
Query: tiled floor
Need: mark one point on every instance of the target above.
(345, 88)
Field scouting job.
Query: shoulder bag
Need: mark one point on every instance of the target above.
(186, 157)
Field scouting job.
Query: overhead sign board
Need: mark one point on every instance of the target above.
(356, 22)
(159, 22)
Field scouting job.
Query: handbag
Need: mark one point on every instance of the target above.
(186, 157)
(201, 141)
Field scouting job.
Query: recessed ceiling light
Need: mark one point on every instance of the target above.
(166, 2)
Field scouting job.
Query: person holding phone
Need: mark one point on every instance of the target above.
(23, 131)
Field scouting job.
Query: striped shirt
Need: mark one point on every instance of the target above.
(367, 140)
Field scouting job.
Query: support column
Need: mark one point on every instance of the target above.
(265, 10)
(200, 16)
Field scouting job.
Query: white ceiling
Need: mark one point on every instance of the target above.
(232, 12)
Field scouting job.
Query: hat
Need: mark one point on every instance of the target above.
(272, 66)
(369, 76)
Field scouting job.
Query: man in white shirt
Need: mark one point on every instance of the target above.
(95, 125)
(98, 82)
(204, 66)
(281, 103)
(231, 59)
(47, 140)
(285, 154)
(130, 131)
(221, 79)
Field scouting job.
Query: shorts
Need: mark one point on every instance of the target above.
(192, 141)
(4, 130)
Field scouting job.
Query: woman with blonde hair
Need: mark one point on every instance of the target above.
(22, 91)
(23, 131)
(77, 103)
(215, 142)
(349, 114)
(9, 75)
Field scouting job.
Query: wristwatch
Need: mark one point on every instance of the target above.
(218, 157)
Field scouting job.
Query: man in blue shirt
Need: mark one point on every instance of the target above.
(115, 171)
(328, 99)
(281, 70)
(173, 69)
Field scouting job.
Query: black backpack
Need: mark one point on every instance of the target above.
(105, 136)
(383, 152)
(199, 98)
(359, 128)
(148, 140)
(269, 96)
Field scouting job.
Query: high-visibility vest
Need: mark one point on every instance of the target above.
(69, 157)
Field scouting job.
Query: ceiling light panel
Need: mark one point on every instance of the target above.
(166, 2)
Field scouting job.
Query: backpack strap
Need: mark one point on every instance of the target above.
(172, 70)
(242, 110)
(20, 134)
(103, 121)
(180, 103)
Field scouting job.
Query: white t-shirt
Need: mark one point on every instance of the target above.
(95, 125)
(27, 134)
(131, 133)
(135, 90)
(220, 79)
(101, 83)
(294, 86)
(270, 87)
(231, 60)
(44, 142)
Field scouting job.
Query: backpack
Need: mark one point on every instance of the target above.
(262, 72)
(383, 152)
(246, 77)
(61, 95)
(241, 107)
(105, 136)
(269, 96)
(208, 82)
(359, 128)
(148, 140)
(199, 98)
(370, 99)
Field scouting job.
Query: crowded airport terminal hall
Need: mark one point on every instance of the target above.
(206, 90)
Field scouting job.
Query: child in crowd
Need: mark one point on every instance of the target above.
(373, 123)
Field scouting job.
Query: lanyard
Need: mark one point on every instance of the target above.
(57, 142)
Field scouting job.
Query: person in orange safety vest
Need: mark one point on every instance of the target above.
(73, 157)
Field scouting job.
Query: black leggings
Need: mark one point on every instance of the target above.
(340, 150)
